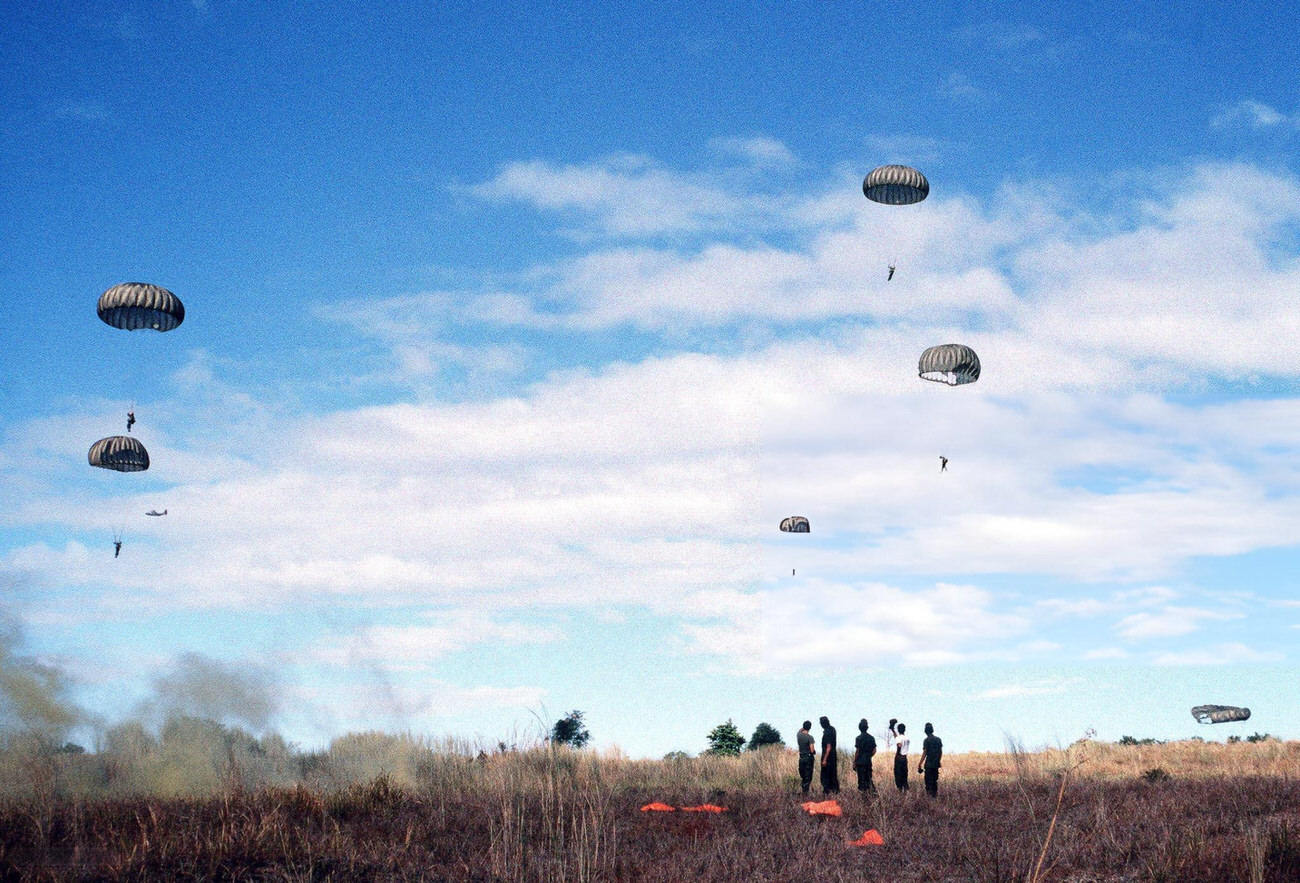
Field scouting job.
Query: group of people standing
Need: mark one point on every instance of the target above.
(897, 743)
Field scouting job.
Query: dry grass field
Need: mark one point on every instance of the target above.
(204, 803)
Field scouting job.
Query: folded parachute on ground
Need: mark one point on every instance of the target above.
(121, 453)
(795, 524)
(869, 838)
(895, 185)
(132, 306)
(658, 807)
(823, 808)
(704, 807)
(951, 363)
(1219, 714)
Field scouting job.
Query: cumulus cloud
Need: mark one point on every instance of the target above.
(658, 484)
(819, 623)
(631, 195)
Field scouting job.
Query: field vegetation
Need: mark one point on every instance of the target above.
(201, 801)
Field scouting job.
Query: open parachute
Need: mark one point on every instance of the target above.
(950, 363)
(121, 453)
(132, 306)
(1219, 714)
(795, 524)
(895, 185)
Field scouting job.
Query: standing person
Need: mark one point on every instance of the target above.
(807, 755)
(901, 742)
(830, 758)
(931, 755)
(864, 748)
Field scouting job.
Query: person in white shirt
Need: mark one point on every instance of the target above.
(899, 742)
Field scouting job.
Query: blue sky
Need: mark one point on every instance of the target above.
(512, 336)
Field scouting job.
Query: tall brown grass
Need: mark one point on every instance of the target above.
(203, 802)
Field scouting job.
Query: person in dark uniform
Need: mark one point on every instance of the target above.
(807, 755)
(830, 758)
(901, 743)
(931, 755)
(864, 748)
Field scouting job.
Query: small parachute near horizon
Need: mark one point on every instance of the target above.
(121, 453)
(895, 185)
(1219, 714)
(133, 306)
(795, 524)
(952, 363)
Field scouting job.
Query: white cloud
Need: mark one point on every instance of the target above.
(817, 623)
(1169, 622)
(629, 196)
(1256, 114)
(1020, 690)
(659, 484)
(1066, 296)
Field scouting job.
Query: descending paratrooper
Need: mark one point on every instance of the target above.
(895, 185)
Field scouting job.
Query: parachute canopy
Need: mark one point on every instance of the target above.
(135, 305)
(896, 185)
(823, 808)
(121, 453)
(795, 524)
(658, 807)
(870, 837)
(950, 363)
(1219, 714)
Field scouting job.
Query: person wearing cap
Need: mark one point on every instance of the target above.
(864, 748)
(931, 755)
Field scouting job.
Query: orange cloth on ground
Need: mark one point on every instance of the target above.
(869, 838)
(823, 808)
(704, 807)
(657, 807)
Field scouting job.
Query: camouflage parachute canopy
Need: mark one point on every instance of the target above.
(1219, 714)
(121, 453)
(895, 185)
(795, 524)
(950, 363)
(135, 305)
